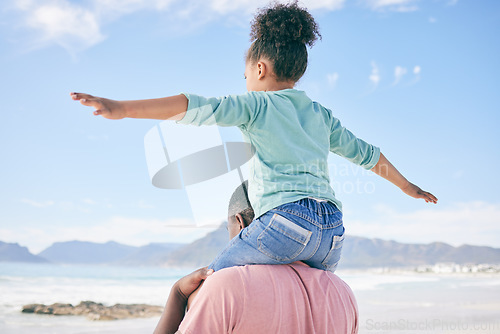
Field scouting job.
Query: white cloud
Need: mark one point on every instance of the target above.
(416, 71)
(89, 201)
(78, 26)
(432, 20)
(23, 4)
(249, 6)
(405, 9)
(473, 223)
(324, 4)
(398, 74)
(61, 22)
(452, 2)
(375, 75)
(332, 79)
(227, 6)
(130, 231)
(392, 5)
(109, 9)
(80, 206)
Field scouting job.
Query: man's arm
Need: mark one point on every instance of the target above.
(177, 300)
(386, 170)
(172, 107)
(173, 313)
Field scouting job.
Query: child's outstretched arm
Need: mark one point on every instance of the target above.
(172, 107)
(385, 169)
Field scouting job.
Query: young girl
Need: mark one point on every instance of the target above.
(297, 216)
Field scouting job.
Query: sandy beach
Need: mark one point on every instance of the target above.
(388, 302)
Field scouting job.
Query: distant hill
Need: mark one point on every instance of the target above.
(364, 252)
(149, 255)
(12, 252)
(200, 252)
(357, 252)
(87, 252)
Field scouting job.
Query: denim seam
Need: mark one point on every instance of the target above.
(307, 236)
(340, 222)
(316, 210)
(318, 243)
(277, 228)
(315, 223)
(274, 256)
(317, 207)
(336, 241)
(298, 214)
(249, 228)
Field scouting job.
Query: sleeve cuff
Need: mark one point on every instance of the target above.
(375, 157)
(190, 114)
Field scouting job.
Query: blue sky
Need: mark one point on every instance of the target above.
(417, 78)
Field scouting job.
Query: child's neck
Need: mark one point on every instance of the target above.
(278, 85)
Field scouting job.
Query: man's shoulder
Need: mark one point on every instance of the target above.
(251, 273)
(240, 297)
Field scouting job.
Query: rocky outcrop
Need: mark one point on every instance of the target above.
(97, 311)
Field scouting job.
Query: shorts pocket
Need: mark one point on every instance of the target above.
(282, 239)
(332, 258)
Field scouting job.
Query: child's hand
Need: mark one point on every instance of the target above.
(110, 109)
(414, 191)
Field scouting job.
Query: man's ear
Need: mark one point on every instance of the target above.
(262, 68)
(240, 221)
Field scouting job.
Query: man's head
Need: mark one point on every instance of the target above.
(240, 212)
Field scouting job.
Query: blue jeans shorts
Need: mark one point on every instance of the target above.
(307, 230)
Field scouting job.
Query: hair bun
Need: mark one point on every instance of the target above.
(282, 24)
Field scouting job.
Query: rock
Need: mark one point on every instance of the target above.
(96, 311)
(29, 308)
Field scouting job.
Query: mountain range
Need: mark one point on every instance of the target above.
(84, 252)
(357, 252)
(13, 252)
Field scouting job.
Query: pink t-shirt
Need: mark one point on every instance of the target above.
(291, 299)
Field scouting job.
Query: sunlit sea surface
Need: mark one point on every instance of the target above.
(402, 302)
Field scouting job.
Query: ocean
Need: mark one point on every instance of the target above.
(389, 302)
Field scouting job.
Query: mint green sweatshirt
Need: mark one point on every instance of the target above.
(292, 137)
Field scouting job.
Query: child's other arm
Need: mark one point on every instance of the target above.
(172, 107)
(385, 169)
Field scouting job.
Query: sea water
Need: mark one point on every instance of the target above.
(22, 284)
(401, 302)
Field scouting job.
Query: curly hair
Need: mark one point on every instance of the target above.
(281, 33)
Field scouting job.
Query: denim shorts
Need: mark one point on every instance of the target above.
(307, 230)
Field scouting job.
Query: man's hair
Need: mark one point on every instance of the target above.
(280, 33)
(239, 203)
